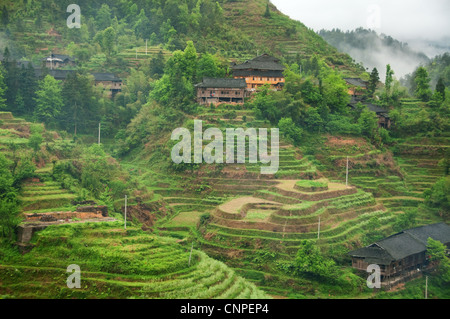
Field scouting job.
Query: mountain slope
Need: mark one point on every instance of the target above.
(375, 50)
(282, 35)
(235, 29)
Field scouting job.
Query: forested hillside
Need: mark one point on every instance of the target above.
(69, 138)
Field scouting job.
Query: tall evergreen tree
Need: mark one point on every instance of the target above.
(80, 104)
(141, 26)
(108, 39)
(5, 16)
(157, 65)
(3, 89)
(389, 79)
(373, 81)
(267, 12)
(11, 76)
(103, 19)
(440, 88)
(27, 88)
(422, 81)
(48, 100)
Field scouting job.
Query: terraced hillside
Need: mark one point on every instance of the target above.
(419, 160)
(117, 263)
(199, 192)
(253, 222)
(254, 234)
(288, 38)
(397, 177)
(370, 169)
(14, 133)
(39, 196)
(40, 193)
(283, 216)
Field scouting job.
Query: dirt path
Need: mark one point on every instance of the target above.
(235, 205)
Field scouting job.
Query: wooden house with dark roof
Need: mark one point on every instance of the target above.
(402, 254)
(356, 86)
(109, 81)
(56, 61)
(221, 90)
(259, 71)
(384, 119)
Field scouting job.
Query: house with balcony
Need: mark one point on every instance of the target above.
(221, 90)
(259, 71)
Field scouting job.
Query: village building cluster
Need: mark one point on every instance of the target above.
(263, 70)
(247, 78)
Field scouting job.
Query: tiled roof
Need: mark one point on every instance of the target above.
(406, 243)
(372, 107)
(106, 77)
(222, 83)
(356, 82)
(260, 73)
(61, 57)
(262, 62)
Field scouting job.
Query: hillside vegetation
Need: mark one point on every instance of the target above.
(252, 235)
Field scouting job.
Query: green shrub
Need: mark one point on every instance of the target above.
(313, 185)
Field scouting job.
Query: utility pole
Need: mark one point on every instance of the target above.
(99, 128)
(426, 287)
(346, 174)
(125, 223)
(145, 46)
(318, 230)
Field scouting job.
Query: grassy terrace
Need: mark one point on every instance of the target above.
(235, 213)
(44, 196)
(116, 263)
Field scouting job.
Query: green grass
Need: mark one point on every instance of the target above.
(115, 264)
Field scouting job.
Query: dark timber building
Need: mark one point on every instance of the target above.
(224, 90)
(356, 86)
(110, 81)
(259, 71)
(384, 119)
(401, 255)
(56, 61)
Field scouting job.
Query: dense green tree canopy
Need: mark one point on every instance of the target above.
(49, 100)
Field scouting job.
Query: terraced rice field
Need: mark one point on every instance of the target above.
(40, 196)
(235, 213)
(291, 215)
(126, 263)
